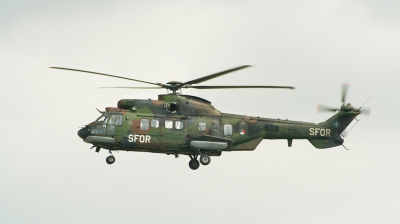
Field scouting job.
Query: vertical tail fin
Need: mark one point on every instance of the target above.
(336, 125)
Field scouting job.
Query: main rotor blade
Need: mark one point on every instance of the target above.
(205, 78)
(366, 111)
(114, 76)
(344, 92)
(322, 108)
(241, 87)
(131, 87)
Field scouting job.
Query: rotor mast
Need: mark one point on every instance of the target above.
(174, 86)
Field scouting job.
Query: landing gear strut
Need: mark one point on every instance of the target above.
(110, 159)
(194, 163)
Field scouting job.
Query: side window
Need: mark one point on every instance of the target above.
(112, 119)
(98, 130)
(178, 125)
(155, 123)
(119, 120)
(169, 124)
(202, 126)
(227, 130)
(144, 124)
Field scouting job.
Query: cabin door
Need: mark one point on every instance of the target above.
(146, 133)
(114, 125)
(173, 133)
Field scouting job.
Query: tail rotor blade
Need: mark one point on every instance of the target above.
(344, 92)
(366, 111)
(322, 108)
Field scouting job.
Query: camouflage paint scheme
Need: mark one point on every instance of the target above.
(247, 131)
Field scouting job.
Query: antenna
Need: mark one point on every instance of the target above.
(365, 102)
(345, 147)
(102, 112)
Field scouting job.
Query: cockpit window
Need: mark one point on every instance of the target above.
(97, 119)
(103, 118)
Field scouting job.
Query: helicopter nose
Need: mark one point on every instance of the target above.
(83, 133)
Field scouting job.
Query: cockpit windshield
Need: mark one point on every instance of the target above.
(103, 118)
(111, 118)
(107, 123)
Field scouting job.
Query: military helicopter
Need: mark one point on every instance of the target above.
(178, 124)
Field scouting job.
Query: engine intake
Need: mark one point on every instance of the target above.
(126, 104)
(171, 107)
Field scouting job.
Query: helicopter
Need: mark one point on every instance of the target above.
(177, 124)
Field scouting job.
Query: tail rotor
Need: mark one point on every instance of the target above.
(345, 107)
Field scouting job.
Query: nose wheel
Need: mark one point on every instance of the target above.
(110, 159)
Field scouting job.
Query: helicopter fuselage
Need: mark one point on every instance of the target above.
(182, 124)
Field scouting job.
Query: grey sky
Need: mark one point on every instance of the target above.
(48, 175)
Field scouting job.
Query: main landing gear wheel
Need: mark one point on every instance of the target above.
(110, 159)
(194, 164)
(205, 160)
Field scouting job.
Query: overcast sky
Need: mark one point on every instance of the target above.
(48, 175)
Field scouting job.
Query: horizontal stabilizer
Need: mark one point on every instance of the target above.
(324, 143)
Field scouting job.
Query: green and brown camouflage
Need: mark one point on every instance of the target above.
(189, 125)
(182, 124)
